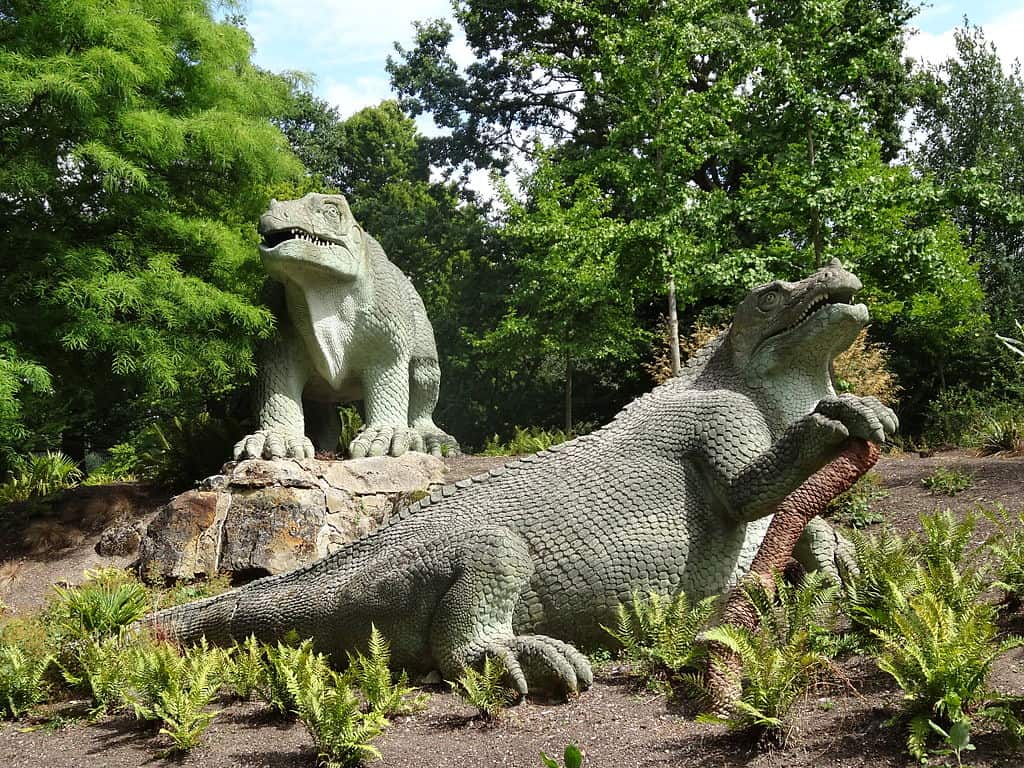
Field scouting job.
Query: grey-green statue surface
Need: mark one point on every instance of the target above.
(675, 493)
(354, 329)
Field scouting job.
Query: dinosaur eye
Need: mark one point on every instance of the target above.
(769, 300)
(331, 212)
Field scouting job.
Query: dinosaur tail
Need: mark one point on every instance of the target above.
(211, 618)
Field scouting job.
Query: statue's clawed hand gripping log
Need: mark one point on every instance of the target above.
(352, 327)
(675, 493)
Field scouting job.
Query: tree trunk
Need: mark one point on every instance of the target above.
(568, 392)
(791, 517)
(673, 326)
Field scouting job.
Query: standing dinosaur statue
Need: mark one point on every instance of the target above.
(353, 327)
(674, 494)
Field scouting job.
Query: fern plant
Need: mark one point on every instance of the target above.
(283, 663)
(885, 561)
(246, 667)
(176, 689)
(485, 689)
(941, 655)
(372, 675)
(103, 667)
(22, 680)
(1006, 546)
(786, 654)
(659, 632)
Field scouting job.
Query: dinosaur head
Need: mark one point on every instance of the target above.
(801, 325)
(314, 236)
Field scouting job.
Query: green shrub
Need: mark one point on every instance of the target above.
(22, 680)
(659, 632)
(1006, 546)
(372, 675)
(351, 423)
(961, 416)
(853, 508)
(783, 657)
(120, 466)
(102, 668)
(331, 713)
(485, 689)
(525, 440)
(885, 561)
(246, 668)
(948, 481)
(176, 689)
(941, 656)
(181, 450)
(283, 662)
(38, 476)
(1001, 435)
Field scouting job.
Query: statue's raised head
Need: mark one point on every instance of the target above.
(312, 235)
(800, 324)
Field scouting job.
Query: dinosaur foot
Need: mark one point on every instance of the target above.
(542, 663)
(271, 444)
(385, 440)
(436, 441)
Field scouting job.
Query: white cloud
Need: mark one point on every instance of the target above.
(351, 96)
(1006, 31)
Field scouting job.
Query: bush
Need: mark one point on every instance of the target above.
(965, 417)
(941, 656)
(1001, 435)
(783, 657)
(175, 689)
(372, 675)
(525, 441)
(179, 451)
(22, 680)
(659, 632)
(39, 476)
(948, 481)
(863, 369)
(486, 689)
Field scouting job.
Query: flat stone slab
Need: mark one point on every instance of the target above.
(274, 516)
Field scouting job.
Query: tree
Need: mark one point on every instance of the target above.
(136, 153)
(970, 123)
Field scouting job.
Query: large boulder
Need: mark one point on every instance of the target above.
(267, 517)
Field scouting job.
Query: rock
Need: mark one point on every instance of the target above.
(119, 541)
(273, 516)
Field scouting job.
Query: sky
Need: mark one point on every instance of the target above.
(344, 44)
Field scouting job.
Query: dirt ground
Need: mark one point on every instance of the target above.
(842, 724)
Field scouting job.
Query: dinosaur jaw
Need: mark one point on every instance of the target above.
(291, 257)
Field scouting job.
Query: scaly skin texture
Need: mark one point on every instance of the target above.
(674, 494)
(354, 328)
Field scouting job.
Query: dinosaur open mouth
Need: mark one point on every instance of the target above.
(820, 302)
(274, 239)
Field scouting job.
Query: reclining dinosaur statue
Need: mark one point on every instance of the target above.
(354, 328)
(674, 494)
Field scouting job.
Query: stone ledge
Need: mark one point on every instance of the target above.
(273, 516)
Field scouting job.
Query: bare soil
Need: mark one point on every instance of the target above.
(841, 724)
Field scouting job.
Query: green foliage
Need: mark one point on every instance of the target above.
(39, 476)
(102, 668)
(659, 632)
(525, 440)
(137, 150)
(331, 712)
(175, 688)
(785, 655)
(186, 592)
(1003, 435)
(485, 689)
(941, 655)
(107, 601)
(1006, 546)
(853, 507)
(948, 481)
(571, 758)
(351, 423)
(963, 417)
(246, 669)
(181, 450)
(22, 680)
(885, 561)
(285, 667)
(372, 675)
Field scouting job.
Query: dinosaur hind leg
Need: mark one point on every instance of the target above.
(424, 385)
(492, 568)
